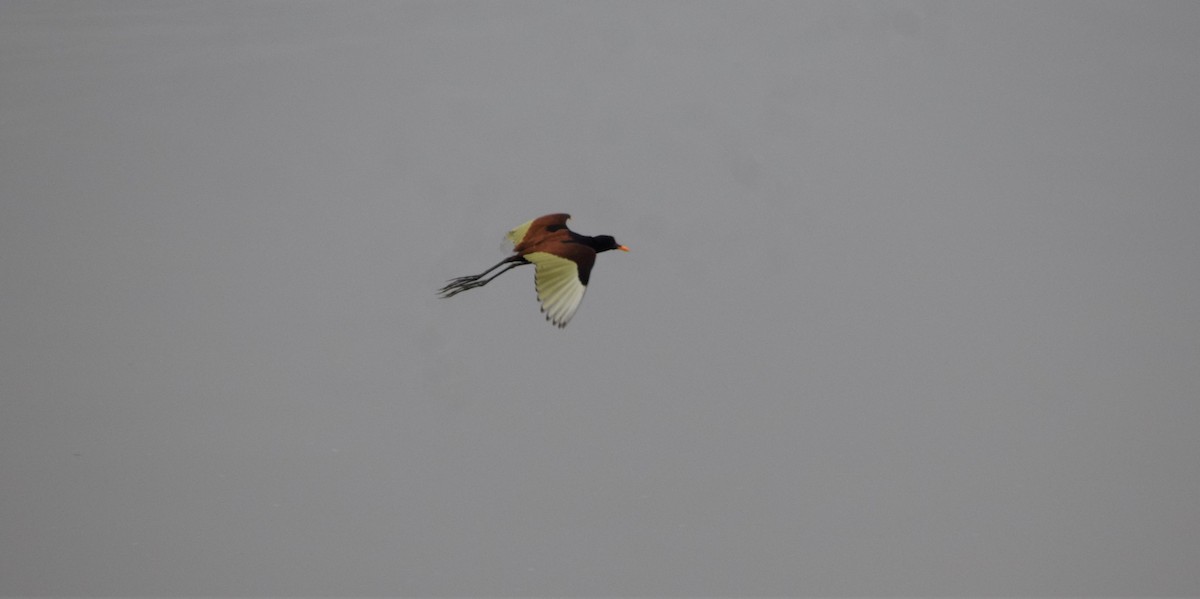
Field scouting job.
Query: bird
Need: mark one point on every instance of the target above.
(562, 262)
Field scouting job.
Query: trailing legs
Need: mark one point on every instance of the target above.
(461, 284)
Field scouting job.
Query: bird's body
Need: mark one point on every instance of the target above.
(562, 259)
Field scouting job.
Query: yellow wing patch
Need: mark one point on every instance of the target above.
(516, 235)
(558, 286)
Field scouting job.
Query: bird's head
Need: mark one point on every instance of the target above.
(603, 243)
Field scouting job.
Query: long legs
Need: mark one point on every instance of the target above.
(461, 284)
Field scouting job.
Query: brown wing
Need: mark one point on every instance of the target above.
(561, 277)
(537, 230)
(561, 245)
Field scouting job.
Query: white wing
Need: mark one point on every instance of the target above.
(558, 286)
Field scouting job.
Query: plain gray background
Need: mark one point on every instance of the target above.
(912, 307)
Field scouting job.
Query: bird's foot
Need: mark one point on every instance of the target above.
(461, 284)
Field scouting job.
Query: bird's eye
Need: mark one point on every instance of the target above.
(553, 228)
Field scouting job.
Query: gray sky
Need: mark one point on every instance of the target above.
(912, 306)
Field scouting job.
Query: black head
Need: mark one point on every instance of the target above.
(603, 243)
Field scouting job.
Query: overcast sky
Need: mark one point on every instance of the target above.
(913, 306)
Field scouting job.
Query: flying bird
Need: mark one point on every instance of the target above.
(562, 261)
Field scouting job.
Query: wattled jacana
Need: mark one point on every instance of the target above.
(562, 259)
